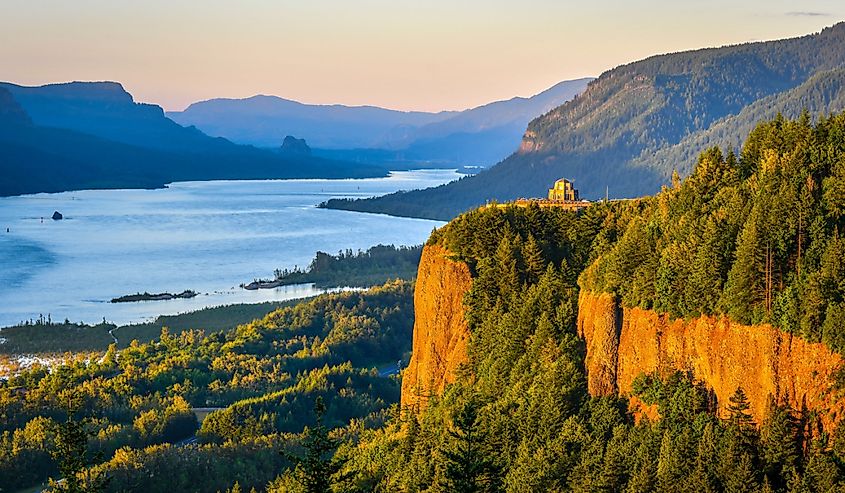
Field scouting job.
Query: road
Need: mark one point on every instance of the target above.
(390, 370)
(188, 441)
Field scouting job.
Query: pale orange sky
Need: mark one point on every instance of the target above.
(424, 55)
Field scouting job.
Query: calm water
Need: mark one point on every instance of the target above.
(205, 236)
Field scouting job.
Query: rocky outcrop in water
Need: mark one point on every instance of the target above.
(292, 145)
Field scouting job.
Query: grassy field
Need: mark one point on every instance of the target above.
(62, 338)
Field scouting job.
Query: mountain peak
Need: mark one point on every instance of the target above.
(292, 145)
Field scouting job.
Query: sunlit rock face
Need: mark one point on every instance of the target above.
(441, 334)
(623, 343)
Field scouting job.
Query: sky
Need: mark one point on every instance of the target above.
(411, 55)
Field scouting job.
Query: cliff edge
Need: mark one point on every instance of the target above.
(440, 329)
(623, 343)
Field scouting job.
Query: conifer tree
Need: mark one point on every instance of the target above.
(669, 470)
(532, 255)
(71, 451)
(642, 481)
(739, 407)
(706, 464)
(822, 472)
(742, 477)
(507, 268)
(467, 468)
(745, 289)
(780, 442)
(316, 470)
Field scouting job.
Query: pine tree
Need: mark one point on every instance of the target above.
(71, 451)
(466, 466)
(642, 481)
(669, 470)
(532, 256)
(822, 471)
(410, 442)
(507, 270)
(739, 468)
(316, 470)
(739, 407)
(780, 441)
(703, 478)
(795, 483)
(745, 291)
(743, 477)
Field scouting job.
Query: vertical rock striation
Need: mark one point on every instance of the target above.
(440, 329)
(623, 343)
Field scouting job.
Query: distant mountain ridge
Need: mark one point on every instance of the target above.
(478, 136)
(265, 120)
(517, 110)
(93, 135)
(638, 122)
(107, 110)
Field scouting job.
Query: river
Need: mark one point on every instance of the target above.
(205, 236)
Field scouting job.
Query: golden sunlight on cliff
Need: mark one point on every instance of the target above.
(623, 343)
(440, 330)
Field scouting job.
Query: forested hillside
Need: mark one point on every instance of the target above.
(375, 266)
(263, 378)
(619, 133)
(755, 236)
(822, 94)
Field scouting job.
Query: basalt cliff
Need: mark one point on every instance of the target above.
(622, 343)
(440, 330)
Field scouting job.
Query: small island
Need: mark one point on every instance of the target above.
(263, 284)
(129, 298)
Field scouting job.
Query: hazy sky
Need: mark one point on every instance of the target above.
(428, 55)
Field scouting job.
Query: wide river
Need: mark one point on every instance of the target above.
(206, 236)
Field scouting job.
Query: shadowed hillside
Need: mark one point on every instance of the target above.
(616, 133)
(92, 135)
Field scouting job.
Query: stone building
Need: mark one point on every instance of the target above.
(563, 190)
